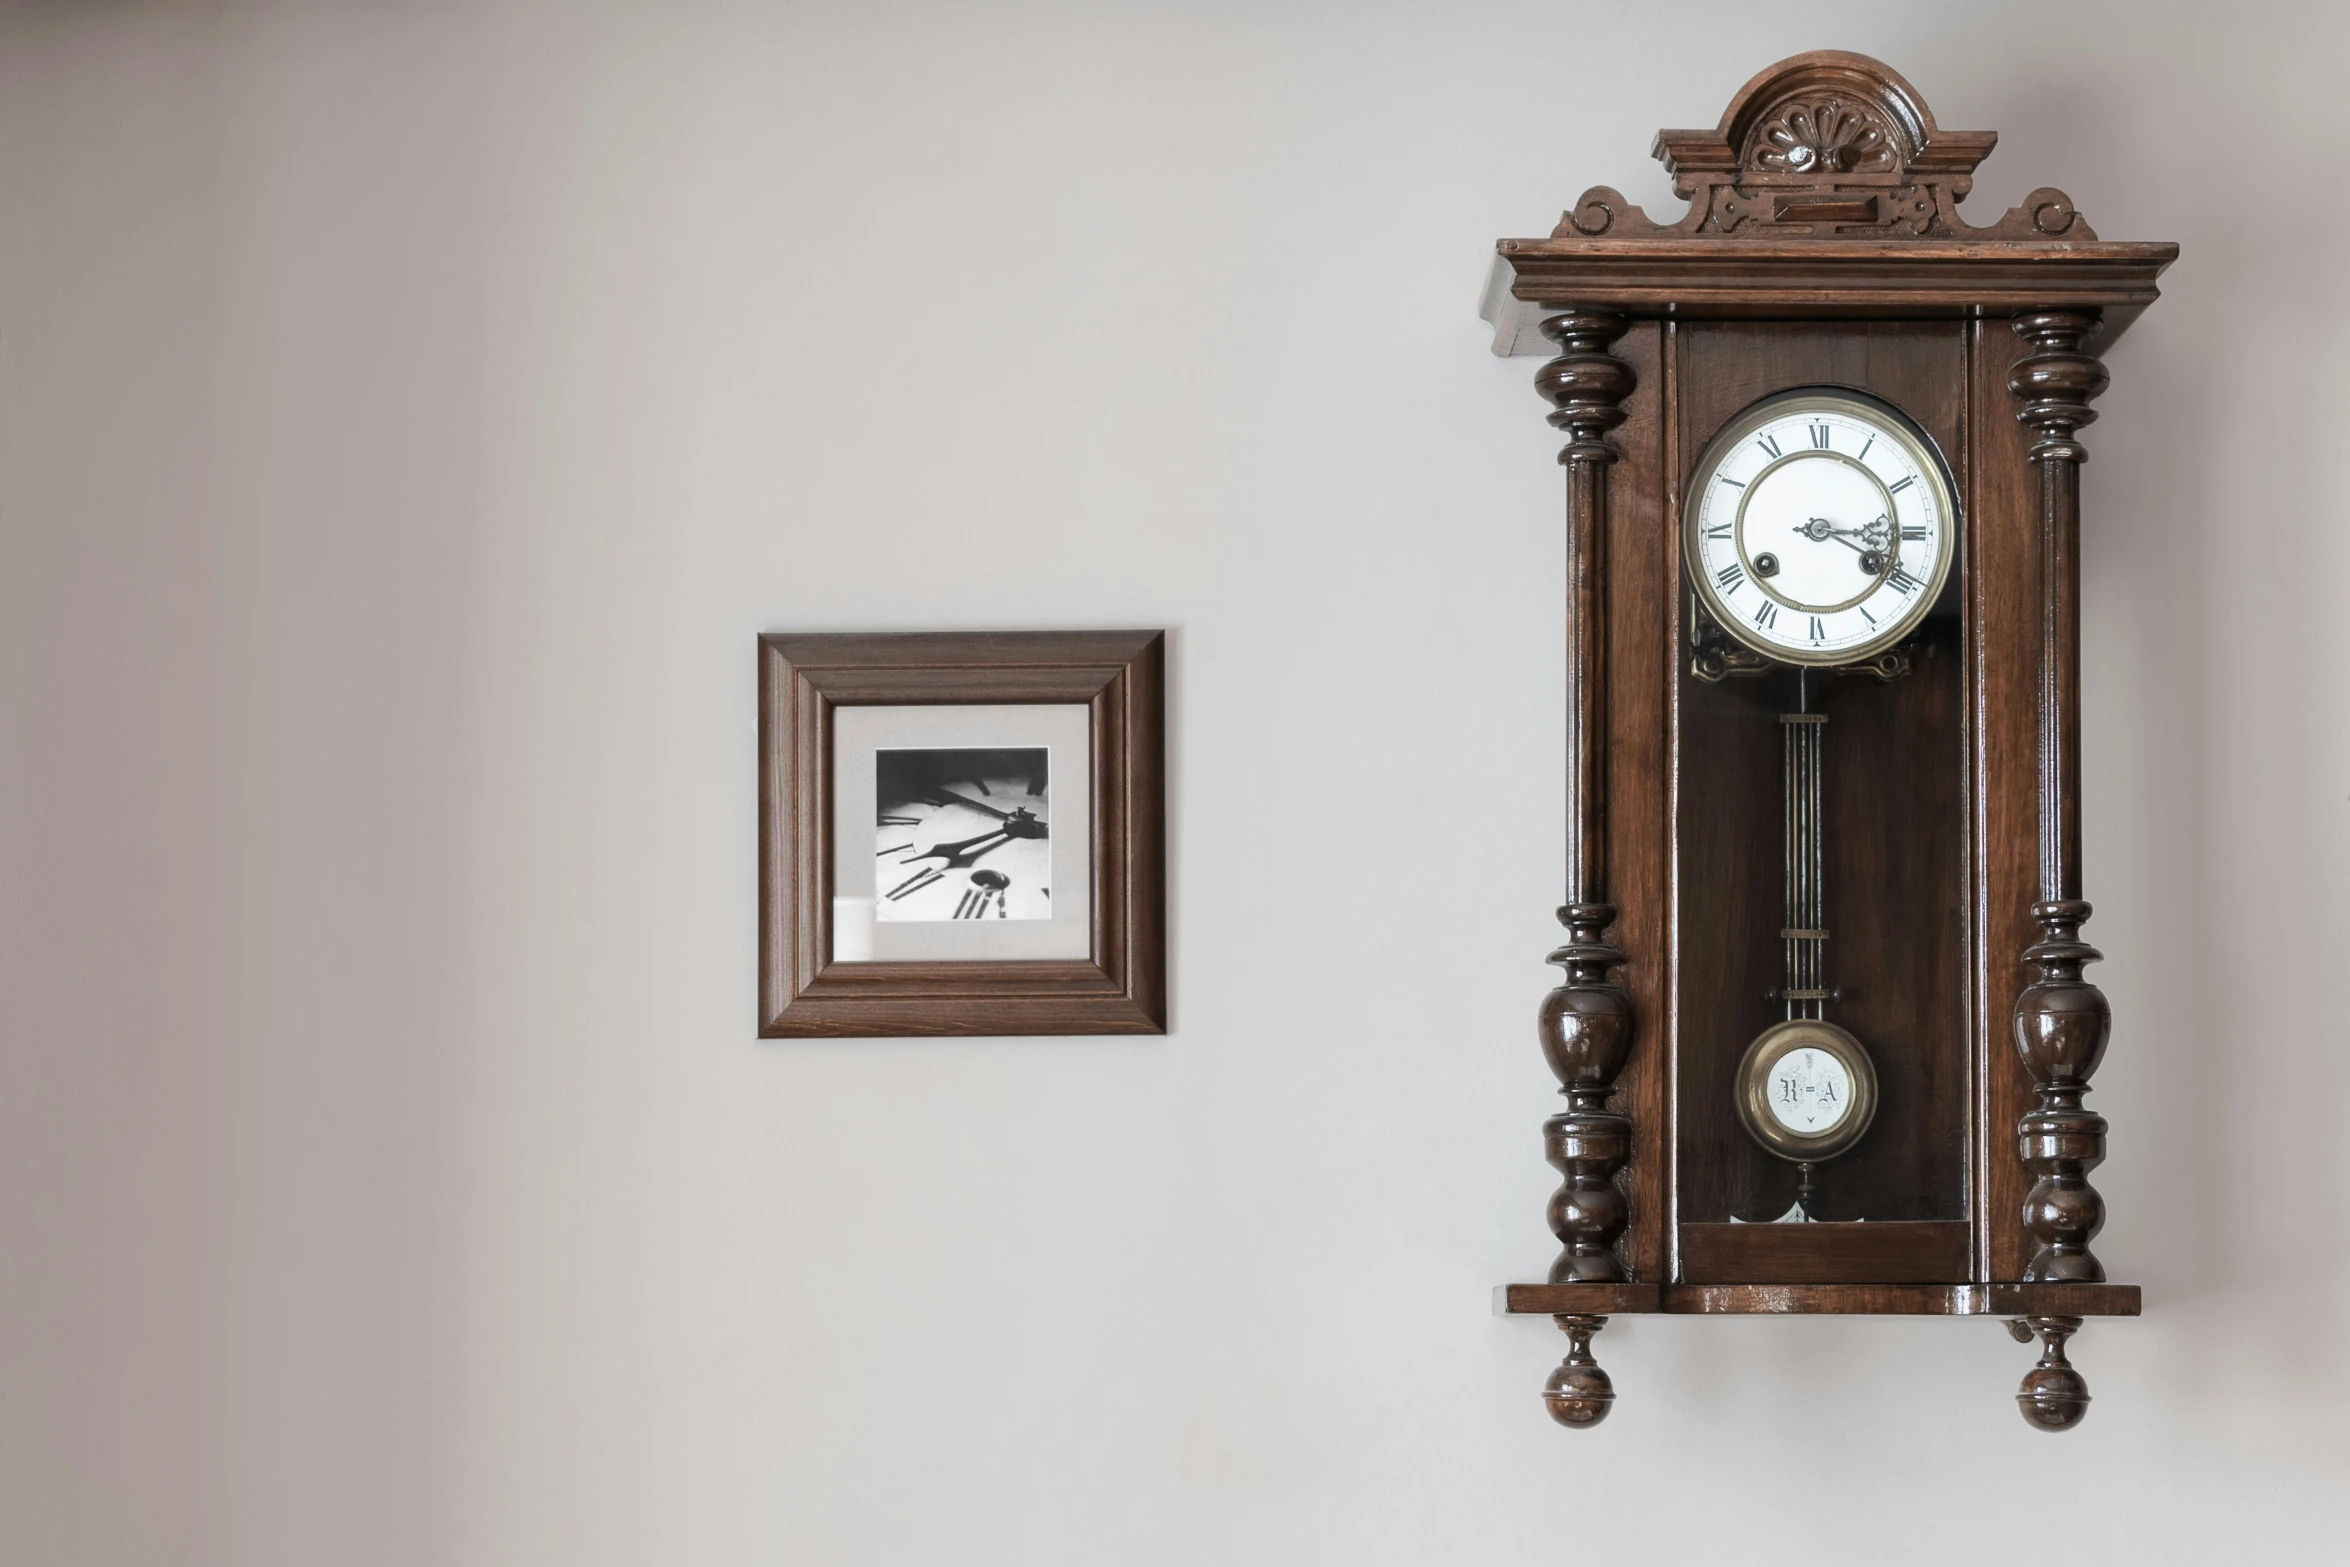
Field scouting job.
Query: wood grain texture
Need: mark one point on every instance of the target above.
(1895, 765)
(1587, 1024)
(2061, 1021)
(1579, 1394)
(1728, 907)
(1903, 1253)
(2054, 1396)
(1825, 190)
(1895, 755)
(2002, 543)
(965, 654)
(1842, 1300)
(1774, 281)
(1585, 1299)
(1119, 989)
(1644, 572)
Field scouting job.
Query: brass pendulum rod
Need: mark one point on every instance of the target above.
(1805, 935)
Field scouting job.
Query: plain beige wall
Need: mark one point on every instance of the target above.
(409, 414)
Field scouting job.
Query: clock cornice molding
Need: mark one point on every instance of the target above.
(1826, 190)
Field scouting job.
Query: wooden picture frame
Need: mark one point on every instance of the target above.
(1118, 988)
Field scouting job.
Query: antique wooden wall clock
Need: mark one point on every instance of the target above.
(1823, 1034)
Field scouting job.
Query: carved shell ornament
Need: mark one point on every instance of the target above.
(1828, 137)
(1824, 146)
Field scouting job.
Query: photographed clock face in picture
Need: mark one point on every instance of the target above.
(963, 835)
(1820, 527)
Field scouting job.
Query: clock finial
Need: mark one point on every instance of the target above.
(1579, 1393)
(2054, 1397)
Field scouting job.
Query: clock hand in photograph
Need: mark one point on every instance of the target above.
(1018, 824)
(938, 796)
(915, 883)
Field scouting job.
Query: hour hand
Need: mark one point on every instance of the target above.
(1017, 824)
(967, 852)
(938, 796)
(1819, 528)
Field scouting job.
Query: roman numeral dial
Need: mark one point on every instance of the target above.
(1820, 527)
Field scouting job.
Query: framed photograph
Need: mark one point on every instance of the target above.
(961, 833)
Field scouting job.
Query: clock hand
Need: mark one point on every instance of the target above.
(965, 852)
(914, 883)
(940, 796)
(1817, 528)
(1017, 824)
(1820, 528)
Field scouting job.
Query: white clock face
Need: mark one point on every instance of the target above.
(1810, 1092)
(1820, 528)
(963, 835)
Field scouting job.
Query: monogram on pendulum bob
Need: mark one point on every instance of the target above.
(1822, 524)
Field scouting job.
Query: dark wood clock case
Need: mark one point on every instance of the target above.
(1822, 247)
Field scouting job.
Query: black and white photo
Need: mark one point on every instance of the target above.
(963, 834)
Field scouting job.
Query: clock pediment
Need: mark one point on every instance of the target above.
(1824, 145)
(1822, 115)
(1826, 191)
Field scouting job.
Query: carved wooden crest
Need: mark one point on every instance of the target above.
(1825, 145)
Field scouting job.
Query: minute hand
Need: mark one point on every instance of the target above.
(959, 855)
(949, 797)
(1017, 824)
(1819, 528)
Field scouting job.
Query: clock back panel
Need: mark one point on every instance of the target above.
(1894, 784)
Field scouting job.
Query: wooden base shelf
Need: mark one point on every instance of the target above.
(1845, 1300)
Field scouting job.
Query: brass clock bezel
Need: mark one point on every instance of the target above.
(1851, 404)
(1753, 1088)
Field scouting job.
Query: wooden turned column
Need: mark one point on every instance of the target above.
(1586, 1023)
(2061, 1020)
